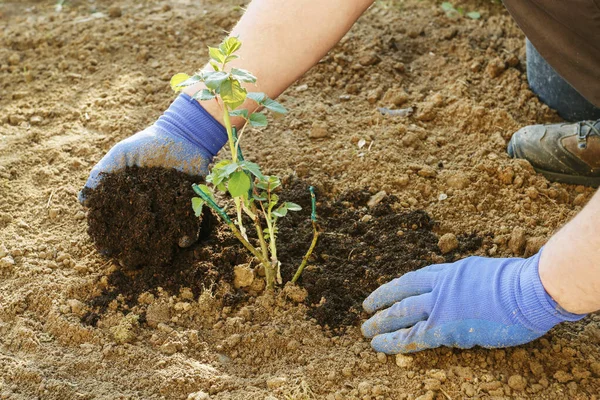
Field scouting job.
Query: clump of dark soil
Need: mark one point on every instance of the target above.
(143, 216)
(140, 217)
(359, 249)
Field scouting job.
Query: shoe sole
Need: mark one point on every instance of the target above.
(570, 179)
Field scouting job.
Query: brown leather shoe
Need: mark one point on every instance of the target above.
(568, 152)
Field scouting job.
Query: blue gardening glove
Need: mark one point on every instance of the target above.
(186, 137)
(488, 302)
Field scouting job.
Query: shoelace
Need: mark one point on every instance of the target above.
(581, 136)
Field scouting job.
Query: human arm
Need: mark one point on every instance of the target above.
(284, 39)
(570, 262)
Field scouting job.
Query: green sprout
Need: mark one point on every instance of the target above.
(254, 194)
(458, 12)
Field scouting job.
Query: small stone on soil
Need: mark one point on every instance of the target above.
(563, 377)
(318, 131)
(115, 12)
(366, 218)
(403, 361)
(364, 388)
(517, 241)
(395, 97)
(169, 348)
(274, 383)
(14, 59)
(243, 276)
(517, 382)
(432, 384)
(369, 59)
(447, 243)
(7, 262)
(198, 396)
(427, 172)
(295, 292)
(376, 199)
(430, 395)
(495, 68)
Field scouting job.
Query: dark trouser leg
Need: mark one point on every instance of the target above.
(557, 93)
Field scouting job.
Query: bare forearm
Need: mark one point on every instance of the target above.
(284, 39)
(570, 263)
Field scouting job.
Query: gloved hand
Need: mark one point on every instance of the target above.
(186, 137)
(488, 302)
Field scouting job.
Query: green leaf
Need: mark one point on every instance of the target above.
(242, 75)
(221, 187)
(446, 6)
(269, 183)
(232, 93)
(204, 95)
(177, 79)
(230, 45)
(221, 172)
(261, 197)
(214, 79)
(474, 15)
(274, 182)
(197, 204)
(231, 58)
(190, 81)
(239, 184)
(274, 201)
(258, 97)
(222, 164)
(239, 113)
(230, 169)
(274, 106)
(258, 119)
(281, 211)
(293, 206)
(215, 66)
(253, 168)
(216, 176)
(217, 54)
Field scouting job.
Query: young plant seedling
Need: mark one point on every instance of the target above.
(254, 194)
(458, 12)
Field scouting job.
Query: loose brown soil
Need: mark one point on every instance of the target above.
(76, 81)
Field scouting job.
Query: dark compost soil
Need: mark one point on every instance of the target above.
(140, 215)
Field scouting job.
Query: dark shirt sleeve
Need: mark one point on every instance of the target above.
(567, 34)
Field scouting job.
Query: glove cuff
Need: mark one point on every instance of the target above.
(186, 118)
(538, 308)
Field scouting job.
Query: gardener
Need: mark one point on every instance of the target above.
(476, 301)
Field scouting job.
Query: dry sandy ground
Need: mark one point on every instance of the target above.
(74, 82)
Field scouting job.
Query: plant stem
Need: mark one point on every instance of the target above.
(273, 265)
(238, 208)
(308, 253)
(259, 233)
(248, 246)
(313, 217)
(239, 137)
(227, 121)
